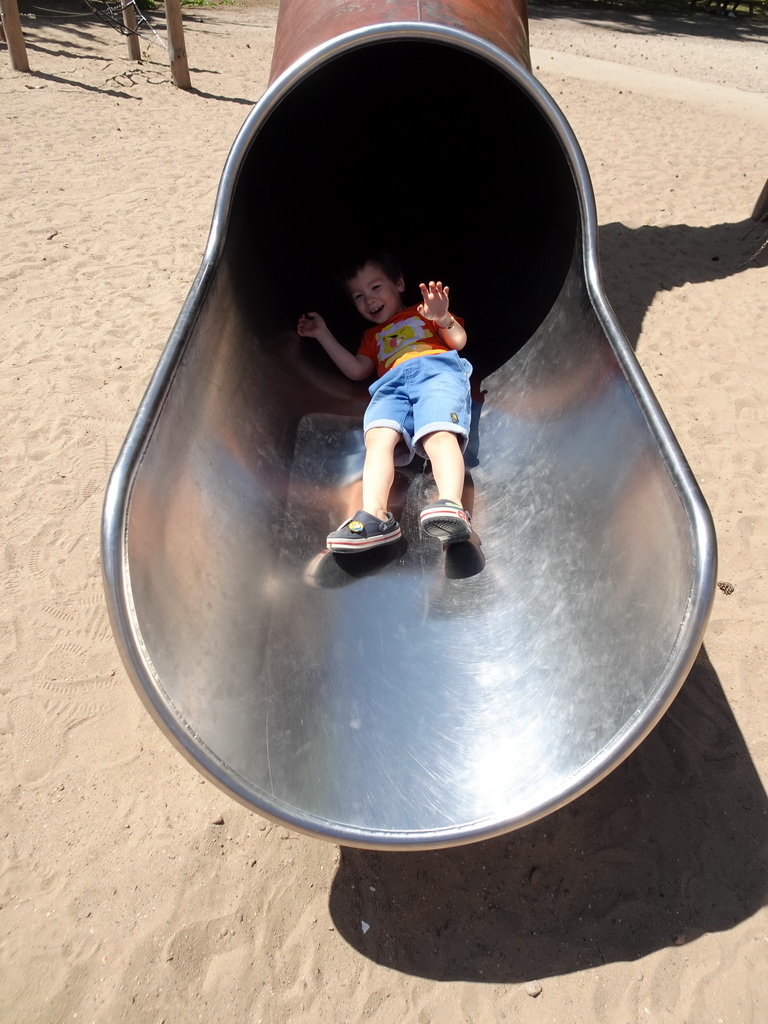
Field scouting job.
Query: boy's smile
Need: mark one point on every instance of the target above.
(375, 296)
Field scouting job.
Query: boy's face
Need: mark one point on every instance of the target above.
(375, 295)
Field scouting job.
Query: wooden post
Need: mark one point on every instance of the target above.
(129, 20)
(176, 48)
(14, 35)
(760, 211)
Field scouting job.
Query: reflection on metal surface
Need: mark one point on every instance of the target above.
(411, 698)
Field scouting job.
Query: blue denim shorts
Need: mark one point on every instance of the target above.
(419, 396)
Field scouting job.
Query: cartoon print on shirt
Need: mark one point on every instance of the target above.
(394, 339)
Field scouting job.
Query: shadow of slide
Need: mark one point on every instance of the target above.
(637, 263)
(671, 845)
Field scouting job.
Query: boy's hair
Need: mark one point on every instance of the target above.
(352, 266)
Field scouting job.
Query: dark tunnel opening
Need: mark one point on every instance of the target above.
(427, 150)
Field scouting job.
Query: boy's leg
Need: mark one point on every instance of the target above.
(446, 519)
(379, 470)
(444, 453)
(441, 413)
(373, 525)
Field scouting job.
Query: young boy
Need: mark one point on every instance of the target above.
(420, 400)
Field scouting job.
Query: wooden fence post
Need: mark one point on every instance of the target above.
(14, 36)
(176, 48)
(131, 24)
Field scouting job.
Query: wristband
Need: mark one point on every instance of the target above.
(450, 326)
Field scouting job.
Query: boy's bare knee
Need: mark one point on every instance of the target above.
(381, 438)
(440, 439)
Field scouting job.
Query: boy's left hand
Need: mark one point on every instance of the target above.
(435, 304)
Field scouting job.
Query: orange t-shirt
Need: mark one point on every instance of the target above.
(406, 336)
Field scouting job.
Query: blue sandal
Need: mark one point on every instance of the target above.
(363, 532)
(446, 521)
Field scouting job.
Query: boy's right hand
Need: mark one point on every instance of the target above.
(310, 325)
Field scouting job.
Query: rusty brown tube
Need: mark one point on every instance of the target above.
(304, 24)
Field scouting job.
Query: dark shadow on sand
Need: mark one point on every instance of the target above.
(673, 844)
(637, 263)
(117, 93)
(646, 17)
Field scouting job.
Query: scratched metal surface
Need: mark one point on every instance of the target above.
(413, 698)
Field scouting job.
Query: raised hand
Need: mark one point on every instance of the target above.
(435, 301)
(310, 325)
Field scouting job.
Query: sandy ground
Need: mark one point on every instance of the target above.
(121, 898)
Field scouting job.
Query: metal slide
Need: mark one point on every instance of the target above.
(412, 698)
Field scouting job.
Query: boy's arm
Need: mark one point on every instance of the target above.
(435, 308)
(356, 367)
